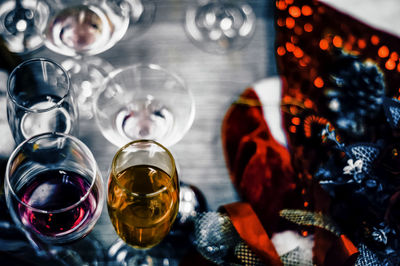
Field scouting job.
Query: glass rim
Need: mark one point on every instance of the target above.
(29, 61)
(113, 173)
(57, 135)
(97, 109)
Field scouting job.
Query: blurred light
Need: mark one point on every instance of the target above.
(308, 103)
(280, 22)
(295, 11)
(298, 52)
(226, 23)
(324, 44)
(361, 43)
(383, 51)
(298, 30)
(290, 47)
(374, 40)
(394, 56)
(281, 5)
(21, 25)
(390, 64)
(318, 82)
(308, 27)
(281, 50)
(290, 23)
(306, 10)
(337, 41)
(296, 121)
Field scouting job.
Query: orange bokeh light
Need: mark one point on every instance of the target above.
(296, 121)
(324, 44)
(383, 51)
(281, 50)
(375, 40)
(337, 41)
(306, 10)
(289, 2)
(308, 103)
(290, 23)
(308, 27)
(290, 47)
(281, 5)
(295, 11)
(361, 43)
(390, 64)
(292, 129)
(298, 52)
(280, 22)
(298, 30)
(394, 56)
(318, 82)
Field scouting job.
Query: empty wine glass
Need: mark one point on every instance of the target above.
(219, 26)
(144, 102)
(22, 23)
(142, 200)
(40, 99)
(85, 28)
(54, 192)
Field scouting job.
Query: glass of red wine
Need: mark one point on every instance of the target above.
(54, 192)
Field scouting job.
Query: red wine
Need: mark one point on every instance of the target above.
(57, 192)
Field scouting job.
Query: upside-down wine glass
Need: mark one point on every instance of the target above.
(142, 200)
(22, 23)
(220, 26)
(54, 192)
(40, 99)
(144, 102)
(82, 29)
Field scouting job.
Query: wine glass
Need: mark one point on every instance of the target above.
(40, 99)
(81, 29)
(220, 26)
(142, 200)
(22, 23)
(143, 102)
(54, 192)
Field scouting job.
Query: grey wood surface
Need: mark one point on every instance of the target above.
(215, 81)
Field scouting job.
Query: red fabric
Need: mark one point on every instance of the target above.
(259, 166)
(252, 232)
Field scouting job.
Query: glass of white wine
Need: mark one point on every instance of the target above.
(80, 30)
(142, 200)
(220, 26)
(144, 102)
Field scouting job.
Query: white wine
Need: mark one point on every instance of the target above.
(142, 204)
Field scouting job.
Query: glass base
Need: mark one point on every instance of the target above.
(122, 254)
(87, 76)
(220, 26)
